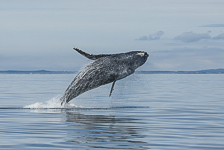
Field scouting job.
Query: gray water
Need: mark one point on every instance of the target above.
(145, 111)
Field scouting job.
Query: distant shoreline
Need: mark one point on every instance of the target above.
(209, 71)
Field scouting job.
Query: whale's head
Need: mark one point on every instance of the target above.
(137, 58)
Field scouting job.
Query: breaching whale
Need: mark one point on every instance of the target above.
(105, 69)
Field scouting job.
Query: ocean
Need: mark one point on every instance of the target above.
(145, 111)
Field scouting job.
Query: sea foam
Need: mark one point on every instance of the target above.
(50, 104)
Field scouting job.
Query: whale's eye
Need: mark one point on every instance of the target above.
(141, 54)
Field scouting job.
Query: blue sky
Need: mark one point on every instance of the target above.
(178, 35)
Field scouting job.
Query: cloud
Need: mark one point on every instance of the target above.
(219, 37)
(151, 37)
(213, 25)
(188, 37)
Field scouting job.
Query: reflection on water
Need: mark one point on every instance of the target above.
(180, 112)
(95, 130)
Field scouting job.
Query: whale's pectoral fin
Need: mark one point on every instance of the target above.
(112, 88)
(90, 56)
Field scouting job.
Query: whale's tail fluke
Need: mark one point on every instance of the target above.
(90, 56)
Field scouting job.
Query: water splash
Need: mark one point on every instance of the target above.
(52, 103)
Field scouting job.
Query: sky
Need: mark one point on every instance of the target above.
(178, 35)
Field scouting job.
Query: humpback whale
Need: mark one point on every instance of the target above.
(105, 68)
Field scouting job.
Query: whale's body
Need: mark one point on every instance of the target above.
(105, 69)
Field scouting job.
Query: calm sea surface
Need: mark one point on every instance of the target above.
(145, 111)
